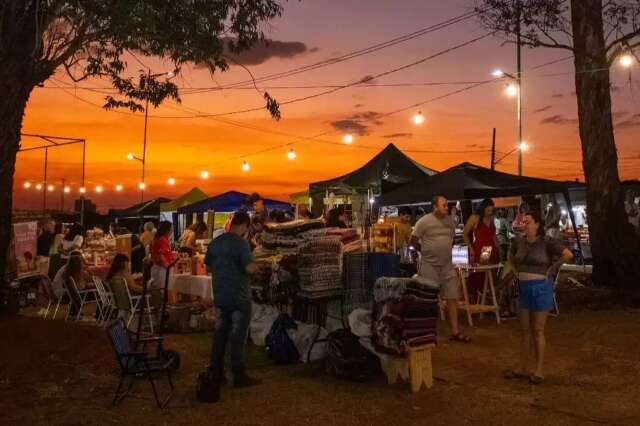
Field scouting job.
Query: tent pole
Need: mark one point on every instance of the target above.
(567, 199)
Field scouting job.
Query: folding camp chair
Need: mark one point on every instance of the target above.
(134, 362)
(50, 294)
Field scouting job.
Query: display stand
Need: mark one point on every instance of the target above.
(384, 238)
(416, 365)
(489, 288)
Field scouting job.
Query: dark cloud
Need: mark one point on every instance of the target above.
(558, 119)
(350, 126)
(398, 135)
(544, 108)
(473, 145)
(371, 116)
(629, 123)
(358, 105)
(263, 51)
(367, 79)
(557, 95)
(618, 114)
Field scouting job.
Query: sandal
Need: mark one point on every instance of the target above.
(536, 380)
(513, 375)
(460, 338)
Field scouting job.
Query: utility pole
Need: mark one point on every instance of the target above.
(519, 81)
(62, 188)
(45, 187)
(493, 150)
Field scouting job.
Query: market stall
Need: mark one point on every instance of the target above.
(389, 168)
(133, 217)
(169, 210)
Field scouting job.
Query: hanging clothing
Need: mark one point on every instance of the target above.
(483, 236)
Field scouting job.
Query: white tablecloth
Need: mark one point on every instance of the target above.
(195, 285)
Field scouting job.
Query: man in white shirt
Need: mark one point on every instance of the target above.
(433, 236)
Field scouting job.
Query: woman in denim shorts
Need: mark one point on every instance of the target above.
(536, 259)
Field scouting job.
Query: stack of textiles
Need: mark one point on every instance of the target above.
(405, 314)
(276, 280)
(361, 272)
(346, 235)
(320, 264)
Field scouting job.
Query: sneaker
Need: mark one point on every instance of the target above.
(245, 381)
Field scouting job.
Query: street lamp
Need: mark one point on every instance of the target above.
(520, 148)
(99, 189)
(67, 189)
(626, 60)
(142, 186)
(50, 188)
(514, 90)
(131, 157)
(27, 185)
(39, 187)
(119, 188)
(418, 118)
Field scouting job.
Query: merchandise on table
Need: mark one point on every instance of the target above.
(320, 264)
(405, 314)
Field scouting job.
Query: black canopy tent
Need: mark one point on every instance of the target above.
(146, 210)
(390, 167)
(467, 181)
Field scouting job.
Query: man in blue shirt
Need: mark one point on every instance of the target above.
(230, 261)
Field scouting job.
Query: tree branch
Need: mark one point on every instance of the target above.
(623, 40)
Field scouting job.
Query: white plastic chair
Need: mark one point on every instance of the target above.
(134, 302)
(83, 298)
(107, 303)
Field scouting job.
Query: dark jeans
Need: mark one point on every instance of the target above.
(232, 326)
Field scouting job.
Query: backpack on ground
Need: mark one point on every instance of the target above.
(347, 359)
(207, 389)
(279, 346)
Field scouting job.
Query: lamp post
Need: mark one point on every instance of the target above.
(143, 160)
(515, 90)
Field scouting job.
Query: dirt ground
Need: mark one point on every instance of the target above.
(57, 373)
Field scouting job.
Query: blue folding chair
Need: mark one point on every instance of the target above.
(135, 362)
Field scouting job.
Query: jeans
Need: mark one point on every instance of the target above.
(232, 326)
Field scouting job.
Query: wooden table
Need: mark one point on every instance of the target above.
(489, 287)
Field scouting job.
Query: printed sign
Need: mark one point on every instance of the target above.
(25, 240)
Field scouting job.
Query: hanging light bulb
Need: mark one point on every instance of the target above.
(142, 185)
(99, 189)
(50, 188)
(626, 60)
(245, 166)
(348, 139)
(39, 187)
(67, 189)
(171, 181)
(511, 90)
(82, 190)
(204, 174)
(418, 118)
(27, 185)
(119, 188)
(291, 155)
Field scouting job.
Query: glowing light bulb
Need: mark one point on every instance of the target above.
(171, 181)
(38, 187)
(245, 166)
(348, 139)
(27, 185)
(523, 146)
(626, 60)
(99, 189)
(511, 90)
(372, 200)
(50, 188)
(82, 190)
(130, 156)
(291, 155)
(418, 118)
(119, 188)
(67, 189)
(498, 73)
(204, 174)
(142, 185)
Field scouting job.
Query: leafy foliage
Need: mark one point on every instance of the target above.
(95, 38)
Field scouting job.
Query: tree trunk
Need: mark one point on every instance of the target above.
(20, 71)
(614, 244)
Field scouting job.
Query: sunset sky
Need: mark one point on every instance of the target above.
(457, 128)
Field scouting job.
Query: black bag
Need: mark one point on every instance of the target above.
(207, 389)
(347, 359)
(279, 346)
